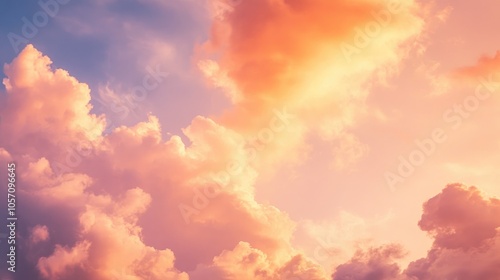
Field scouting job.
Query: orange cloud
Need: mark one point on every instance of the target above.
(56, 265)
(313, 58)
(132, 205)
(272, 49)
(485, 66)
(245, 262)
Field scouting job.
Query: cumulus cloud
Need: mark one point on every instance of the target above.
(109, 188)
(465, 227)
(52, 109)
(375, 264)
(55, 266)
(105, 202)
(460, 218)
(45, 110)
(109, 243)
(245, 262)
(132, 205)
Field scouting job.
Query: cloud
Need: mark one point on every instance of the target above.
(460, 218)
(245, 262)
(103, 192)
(38, 234)
(105, 203)
(465, 228)
(375, 264)
(332, 243)
(288, 54)
(132, 205)
(56, 265)
(41, 104)
(270, 65)
(117, 248)
(485, 66)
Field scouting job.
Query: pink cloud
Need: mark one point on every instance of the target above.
(245, 262)
(111, 195)
(464, 225)
(56, 265)
(132, 205)
(460, 218)
(375, 264)
(39, 233)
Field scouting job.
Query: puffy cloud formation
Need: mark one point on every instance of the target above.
(108, 244)
(98, 195)
(375, 264)
(460, 218)
(58, 101)
(466, 231)
(131, 205)
(54, 266)
(100, 206)
(245, 262)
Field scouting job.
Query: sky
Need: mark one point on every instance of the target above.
(250, 139)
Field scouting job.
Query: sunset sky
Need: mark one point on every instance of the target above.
(251, 139)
